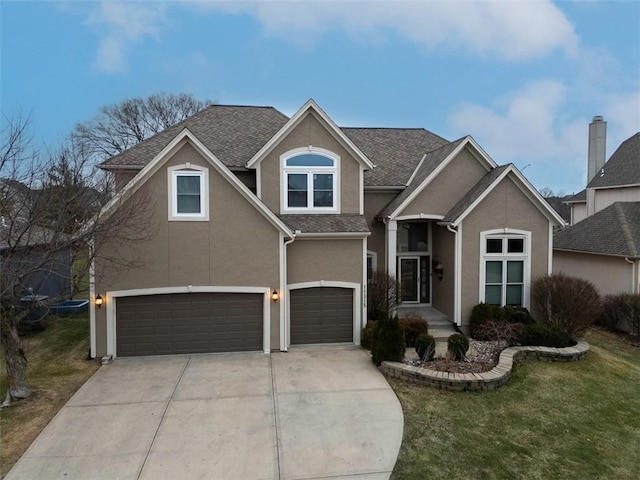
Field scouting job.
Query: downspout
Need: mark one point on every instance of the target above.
(634, 287)
(457, 319)
(284, 344)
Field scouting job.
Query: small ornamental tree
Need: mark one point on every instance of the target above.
(382, 295)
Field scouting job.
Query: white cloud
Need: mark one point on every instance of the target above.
(123, 24)
(528, 127)
(513, 30)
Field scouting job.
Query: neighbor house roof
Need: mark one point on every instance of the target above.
(232, 133)
(580, 197)
(331, 223)
(396, 152)
(623, 168)
(614, 230)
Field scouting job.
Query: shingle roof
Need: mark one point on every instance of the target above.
(232, 133)
(235, 133)
(559, 204)
(396, 152)
(431, 161)
(340, 223)
(614, 230)
(472, 195)
(579, 197)
(623, 168)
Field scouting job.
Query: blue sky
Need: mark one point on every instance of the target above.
(523, 78)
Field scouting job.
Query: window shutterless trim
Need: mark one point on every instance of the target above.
(504, 256)
(310, 172)
(190, 170)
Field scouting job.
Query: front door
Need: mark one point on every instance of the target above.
(414, 279)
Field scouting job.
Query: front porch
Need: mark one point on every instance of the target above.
(440, 328)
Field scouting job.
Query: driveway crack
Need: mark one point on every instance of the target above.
(164, 412)
(275, 415)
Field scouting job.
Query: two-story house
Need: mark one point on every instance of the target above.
(265, 229)
(602, 244)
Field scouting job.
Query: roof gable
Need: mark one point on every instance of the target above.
(614, 230)
(432, 164)
(486, 185)
(623, 168)
(310, 108)
(178, 142)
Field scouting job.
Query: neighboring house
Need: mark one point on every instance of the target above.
(32, 263)
(560, 205)
(603, 243)
(267, 227)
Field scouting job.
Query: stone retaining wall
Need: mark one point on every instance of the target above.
(490, 380)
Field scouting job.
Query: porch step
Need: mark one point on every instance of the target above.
(439, 325)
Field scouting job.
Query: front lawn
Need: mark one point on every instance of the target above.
(551, 420)
(57, 367)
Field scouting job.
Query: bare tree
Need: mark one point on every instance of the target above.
(55, 215)
(120, 126)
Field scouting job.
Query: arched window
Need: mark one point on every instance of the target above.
(310, 182)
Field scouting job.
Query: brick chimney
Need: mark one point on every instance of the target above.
(597, 147)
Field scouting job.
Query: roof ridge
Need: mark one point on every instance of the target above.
(626, 228)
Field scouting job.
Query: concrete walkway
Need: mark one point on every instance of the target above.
(314, 412)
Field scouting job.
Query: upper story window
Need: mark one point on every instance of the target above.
(310, 182)
(188, 193)
(505, 268)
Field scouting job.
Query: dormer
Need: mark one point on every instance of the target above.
(311, 167)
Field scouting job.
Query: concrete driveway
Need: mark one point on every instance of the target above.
(314, 412)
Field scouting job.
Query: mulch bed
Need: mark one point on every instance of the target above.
(481, 357)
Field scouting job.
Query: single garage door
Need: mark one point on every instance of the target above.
(321, 315)
(188, 323)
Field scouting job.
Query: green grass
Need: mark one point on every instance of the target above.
(576, 420)
(57, 367)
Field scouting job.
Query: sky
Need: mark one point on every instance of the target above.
(523, 78)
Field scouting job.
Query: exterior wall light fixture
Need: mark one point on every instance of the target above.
(438, 268)
(99, 301)
(274, 295)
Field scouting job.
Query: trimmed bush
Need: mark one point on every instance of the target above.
(621, 312)
(388, 341)
(513, 314)
(457, 345)
(536, 334)
(413, 325)
(382, 295)
(366, 337)
(565, 303)
(425, 347)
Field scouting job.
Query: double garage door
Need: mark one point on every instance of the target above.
(189, 323)
(226, 322)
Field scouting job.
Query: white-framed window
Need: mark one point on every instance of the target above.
(188, 187)
(310, 181)
(505, 266)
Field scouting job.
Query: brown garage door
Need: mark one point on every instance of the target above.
(321, 315)
(188, 323)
